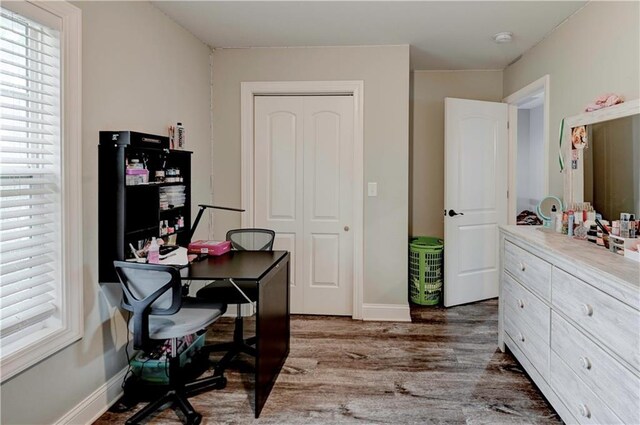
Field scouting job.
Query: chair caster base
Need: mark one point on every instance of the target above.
(124, 404)
(194, 419)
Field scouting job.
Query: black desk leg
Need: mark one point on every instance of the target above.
(272, 330)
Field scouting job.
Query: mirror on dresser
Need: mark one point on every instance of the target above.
(602, 159)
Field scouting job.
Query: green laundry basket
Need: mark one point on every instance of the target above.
(425, 270)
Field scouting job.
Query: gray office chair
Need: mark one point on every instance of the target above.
(250, 239)
(153, 293)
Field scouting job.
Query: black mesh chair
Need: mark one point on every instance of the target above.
(153, 293)
(225, 291)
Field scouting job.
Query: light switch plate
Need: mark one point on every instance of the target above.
(372, 189)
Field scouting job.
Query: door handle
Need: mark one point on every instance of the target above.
(346, 228)
(452, 213)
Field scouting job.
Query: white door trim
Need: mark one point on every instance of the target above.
(355, 88)
(513, 100)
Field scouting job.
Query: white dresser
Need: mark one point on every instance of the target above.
(570, 314)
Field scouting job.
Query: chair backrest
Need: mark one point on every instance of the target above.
(251, 239)
(148, 289)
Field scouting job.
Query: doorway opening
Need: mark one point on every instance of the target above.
(530, 164)
(528, 151)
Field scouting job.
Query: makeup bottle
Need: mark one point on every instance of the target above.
(558, 221)
(570, 223)
(552, 223)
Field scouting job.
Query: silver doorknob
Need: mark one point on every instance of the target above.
(346, 228)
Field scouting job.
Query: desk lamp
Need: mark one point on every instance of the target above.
(201, 211)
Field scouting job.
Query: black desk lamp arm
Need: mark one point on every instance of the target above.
(201, 211)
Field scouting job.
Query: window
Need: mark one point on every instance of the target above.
(40, 244)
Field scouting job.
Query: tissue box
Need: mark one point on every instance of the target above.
(212, 248)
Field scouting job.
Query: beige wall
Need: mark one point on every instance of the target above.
(427, 148)
(141, 72)
(385, 72)
(596, 51)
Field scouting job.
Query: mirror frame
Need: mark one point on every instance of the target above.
(574, 179)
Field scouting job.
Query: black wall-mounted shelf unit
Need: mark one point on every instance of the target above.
(131, 214)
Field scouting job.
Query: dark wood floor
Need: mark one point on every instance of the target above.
(442, 368)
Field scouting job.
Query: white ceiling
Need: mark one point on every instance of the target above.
(442, 34)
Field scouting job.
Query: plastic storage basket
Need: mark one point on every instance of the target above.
(425, 270)
(157, 371)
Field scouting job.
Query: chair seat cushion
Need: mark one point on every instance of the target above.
(224, 291)
(194, 315)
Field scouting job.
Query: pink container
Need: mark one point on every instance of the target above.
(137, 171)
(212, 248)
(136, 176)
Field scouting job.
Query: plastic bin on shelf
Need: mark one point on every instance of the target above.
(157, 371)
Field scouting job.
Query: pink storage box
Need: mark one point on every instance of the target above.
(136, 176)
(137, 171)
(212, 248)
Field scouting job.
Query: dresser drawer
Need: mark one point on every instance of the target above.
(612, 322)
(527, 307)
(535, 348)
(585, 406)
(533, 272)
(614, 384)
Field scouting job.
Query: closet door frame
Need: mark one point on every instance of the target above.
(296, 88)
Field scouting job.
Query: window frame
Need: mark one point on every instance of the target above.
(71, 286)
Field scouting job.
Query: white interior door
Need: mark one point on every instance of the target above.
(278, 178)
(304, 191)
(475, 197)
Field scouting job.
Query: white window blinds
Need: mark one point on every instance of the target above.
(30, 173)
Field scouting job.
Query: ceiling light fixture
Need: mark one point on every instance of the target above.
(503, 37)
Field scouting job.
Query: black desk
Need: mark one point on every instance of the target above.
(270, 272)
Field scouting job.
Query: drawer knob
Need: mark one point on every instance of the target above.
(584, 411)
(523, 266)
(585, 363)
(587, 309)
(520, 337)
(520, 303)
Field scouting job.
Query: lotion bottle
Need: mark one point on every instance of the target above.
(558, 221)
(552, 223)
(180, 136)
(153, 255)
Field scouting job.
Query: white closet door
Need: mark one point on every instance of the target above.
(328, 210)
(304, 191)
(278, 122)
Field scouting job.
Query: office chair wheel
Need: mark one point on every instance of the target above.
(222, 385)
(124, 404)
(194, 419)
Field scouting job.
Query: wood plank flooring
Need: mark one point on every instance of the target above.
(443, 368)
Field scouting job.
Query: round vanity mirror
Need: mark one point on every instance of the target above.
(546, 207)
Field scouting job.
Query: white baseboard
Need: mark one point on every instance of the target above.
(92, 407)
(386, 312)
